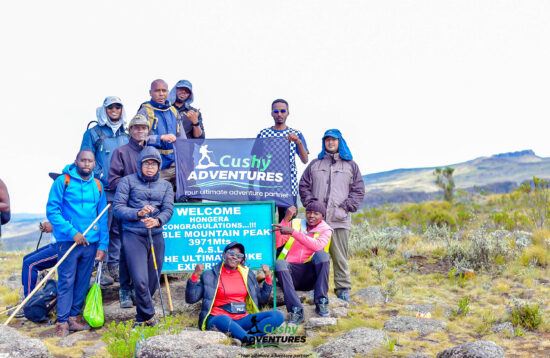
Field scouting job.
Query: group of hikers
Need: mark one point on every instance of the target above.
(130, 169)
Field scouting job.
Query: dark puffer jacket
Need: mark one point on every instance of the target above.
(136, 190)
(206, 288)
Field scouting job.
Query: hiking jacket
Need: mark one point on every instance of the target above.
(185, 123)
(102, 142)
(338, 184)
(72, 208)
(305, 245)
(124, 162)
(164, 121)
(136, 190)
(207, 287)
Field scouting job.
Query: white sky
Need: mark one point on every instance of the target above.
(409, 83)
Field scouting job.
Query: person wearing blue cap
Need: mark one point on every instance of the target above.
(102, 140)
(181, 96)
(335, 179)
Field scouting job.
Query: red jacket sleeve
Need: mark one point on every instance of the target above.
(281, 239)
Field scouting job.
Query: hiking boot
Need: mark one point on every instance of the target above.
(296, 316)
(19, 314)
(321, 308)
(113, 271)
(152, 322)
(125, 300)
(76, 324)
(106, 280)
(62, 329)
(343, 294)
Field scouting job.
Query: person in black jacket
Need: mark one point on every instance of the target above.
(144, 202)
(231, 297)
(5, 213)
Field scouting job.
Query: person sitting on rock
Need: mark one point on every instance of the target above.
(304, 262)
(231, 296)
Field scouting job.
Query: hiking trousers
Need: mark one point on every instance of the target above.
(339, 252)
(139, 258)
(255, 324)
(304, 277)
(41, 259)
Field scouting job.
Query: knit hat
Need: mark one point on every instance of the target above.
(317, 206)
(139, 120)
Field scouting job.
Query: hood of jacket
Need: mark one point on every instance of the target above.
(343, 149)
(104, 120)
(182, 84)
(70, 169)
(148, 153)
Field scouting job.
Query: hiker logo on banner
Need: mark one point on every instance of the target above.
(234, 170)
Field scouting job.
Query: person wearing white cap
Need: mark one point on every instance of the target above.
(102, 140)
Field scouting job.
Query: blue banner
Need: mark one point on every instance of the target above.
(234, 170)
(198, 233)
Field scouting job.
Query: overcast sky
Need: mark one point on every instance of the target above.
(409, 83)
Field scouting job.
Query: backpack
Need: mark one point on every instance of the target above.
(42, 303)
(68, 180)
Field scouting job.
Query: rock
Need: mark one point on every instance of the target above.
(371, 295)
(76, 337)
(311, 334)
(506, 327)
(319, 322)
(422, 308)
(407, 323)
(336, 302)
(16, 344)
(357, 342)
(465, 272)
(189, 343)
(477, 349)
(417, 355)
(92, 350)
(339, 312)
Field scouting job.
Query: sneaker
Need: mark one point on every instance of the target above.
(62, 329)
(296, 316)
(106, 280)
(76, 324)
(125, 300)
(152, 322)
(321, 308)
(113, 271)
(343, 294)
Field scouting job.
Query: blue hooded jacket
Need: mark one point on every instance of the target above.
(185, 123)
(343, 149)
(182, 84)
(73, 208)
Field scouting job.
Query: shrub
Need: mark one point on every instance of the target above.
(536, 255)
(364, 238)
(526, 315)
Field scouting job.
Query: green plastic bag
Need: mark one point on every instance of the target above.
(93, 311)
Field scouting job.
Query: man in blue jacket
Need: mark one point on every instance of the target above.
(163, 118)
(102, 140)
(76, 198)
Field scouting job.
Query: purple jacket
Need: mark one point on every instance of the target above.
(338, 184)
(124, 162)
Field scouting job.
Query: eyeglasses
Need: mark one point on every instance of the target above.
(276, 111)
(236, 254)
(150, 164)
(117, 106)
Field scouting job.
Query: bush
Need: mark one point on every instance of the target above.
(364, 238)
(535, 255)
(526, 315)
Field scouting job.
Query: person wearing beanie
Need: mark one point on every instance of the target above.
(102, 140)
(124, 161)
(303, 262)
(143, 203)
(335, 180)
(231, 297)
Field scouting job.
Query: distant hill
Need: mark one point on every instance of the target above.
(22, 232)
(499, 173)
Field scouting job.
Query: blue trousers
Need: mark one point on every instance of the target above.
(73, 278)
(142, 270)
(310, 275)
(42, 259)
(256, 324)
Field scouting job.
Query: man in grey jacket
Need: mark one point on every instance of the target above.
(335, 179)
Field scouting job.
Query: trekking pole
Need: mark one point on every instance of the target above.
(40, 239)
(22, 304)
(156, 271)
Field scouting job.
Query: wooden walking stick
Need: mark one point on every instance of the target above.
(169, 295)
(22, 304)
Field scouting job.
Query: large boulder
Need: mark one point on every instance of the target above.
(360, 341)
(189, 344)
(371, 295)
(407, 323)
(477, 349)
(16, 344)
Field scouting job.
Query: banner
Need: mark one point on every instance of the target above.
(234, 170)
(198, 233)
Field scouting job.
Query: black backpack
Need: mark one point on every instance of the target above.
(38, 307)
